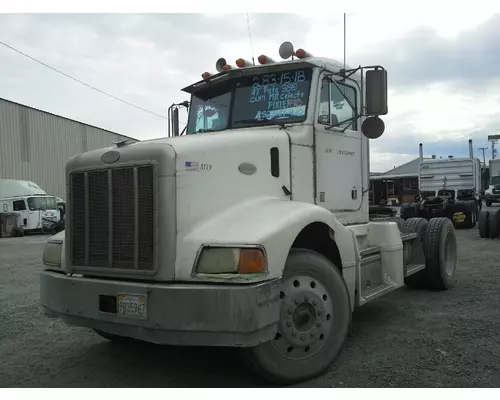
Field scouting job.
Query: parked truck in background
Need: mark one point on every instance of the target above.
(250, 231)
(35, 209)
(492, 193)
(448, 187)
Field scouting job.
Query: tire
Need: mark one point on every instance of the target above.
(494, 223)
(419, 225)
(484, 225)
(400, 222)
(470, 216)
(285, 359)
(21, 232)
(440, 244)
(116, 338)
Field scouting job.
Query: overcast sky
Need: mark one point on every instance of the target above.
(444, 80)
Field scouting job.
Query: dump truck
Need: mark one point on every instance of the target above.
(448, 187)
(250, 230)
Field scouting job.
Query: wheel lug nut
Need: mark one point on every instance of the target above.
(297, 301)
(319, 313)
(294, 334)
(290, 312)
(314, 303)
(302, 338)
(312, 334)
(318, 324)
(289, 324)
(306, 298)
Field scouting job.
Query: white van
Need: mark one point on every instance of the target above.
(36, 210)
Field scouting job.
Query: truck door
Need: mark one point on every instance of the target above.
(339, 158)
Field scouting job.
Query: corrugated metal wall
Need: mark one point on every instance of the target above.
(35, 145)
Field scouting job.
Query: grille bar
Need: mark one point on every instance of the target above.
(112, 219)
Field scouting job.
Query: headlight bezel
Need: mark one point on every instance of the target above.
(233, 260)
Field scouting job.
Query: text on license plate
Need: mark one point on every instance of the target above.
(132, 306)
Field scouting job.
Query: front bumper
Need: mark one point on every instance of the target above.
(492, 197)
(178, 314)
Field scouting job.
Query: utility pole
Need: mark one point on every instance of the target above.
(483, 149)
(493, 139)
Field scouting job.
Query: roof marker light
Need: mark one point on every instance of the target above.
(263, 59)
(206, 75)
(227, 67)
(301, 53)
(242, 63)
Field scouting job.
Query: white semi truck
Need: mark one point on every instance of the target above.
(252, 230)
(35, 209)
(492, 194)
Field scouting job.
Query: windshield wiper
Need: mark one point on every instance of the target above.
(208, 130)
(254, 121)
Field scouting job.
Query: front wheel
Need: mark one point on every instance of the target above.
(314, 322)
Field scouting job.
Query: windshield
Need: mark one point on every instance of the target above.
(262, 99)
(495, 180)
(42, 203)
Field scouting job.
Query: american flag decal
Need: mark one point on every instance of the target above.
(192, 166)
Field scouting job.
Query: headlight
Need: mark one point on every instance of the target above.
(52, 253)
(230, 260)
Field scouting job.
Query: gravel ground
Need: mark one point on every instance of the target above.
(406, 339)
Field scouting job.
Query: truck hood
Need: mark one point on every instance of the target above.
(219, 170)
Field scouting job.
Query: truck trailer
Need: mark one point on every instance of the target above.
(251, 230)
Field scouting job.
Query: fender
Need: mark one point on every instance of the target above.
(270, 222)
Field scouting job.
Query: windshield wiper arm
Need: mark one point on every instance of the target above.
(255, 121)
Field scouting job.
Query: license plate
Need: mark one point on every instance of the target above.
(132, 306)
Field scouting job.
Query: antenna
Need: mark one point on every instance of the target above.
(250, 38)
(345, 19)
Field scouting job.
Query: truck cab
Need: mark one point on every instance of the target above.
(251, 230)
(492, 193)
(36, 211)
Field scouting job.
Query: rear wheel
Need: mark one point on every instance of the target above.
(418, 225)
(314, 322)
(440, 246)
(494, 223)
(484, 225)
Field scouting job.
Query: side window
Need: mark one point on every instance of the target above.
(19, 205)
(334, 108)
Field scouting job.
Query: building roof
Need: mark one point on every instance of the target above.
(69, 119)
(407, 170)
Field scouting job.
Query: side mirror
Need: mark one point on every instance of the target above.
(373, 127)
(376, 92)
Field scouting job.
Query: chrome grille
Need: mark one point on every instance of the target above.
(112, 218)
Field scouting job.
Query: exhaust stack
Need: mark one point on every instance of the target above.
(471, 150)
(421, 150)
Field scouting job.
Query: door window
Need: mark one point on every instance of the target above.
(338, 105)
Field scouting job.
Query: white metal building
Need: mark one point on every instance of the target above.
(35, 145)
